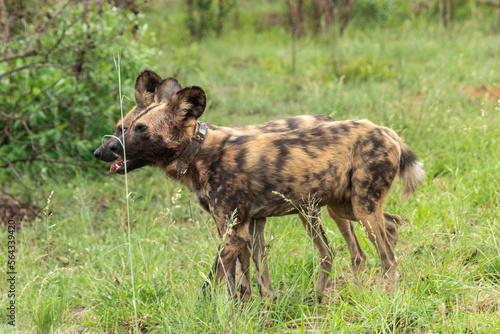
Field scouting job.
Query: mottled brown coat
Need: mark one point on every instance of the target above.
(348, 166)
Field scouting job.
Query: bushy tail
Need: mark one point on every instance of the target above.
(411, 171)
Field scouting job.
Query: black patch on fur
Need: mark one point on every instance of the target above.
(317, 132)
(323, 118)
(334, 131)
(345, 128)
(292, 123)
(318, 176)
(314, 191)
(283, 152)
(378, 145)
(382, 174)
(311, 154)
(368, 202)
(241, 159)
(204, 204)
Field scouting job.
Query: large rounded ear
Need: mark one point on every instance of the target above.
(145, 86)
(166, 89)
(188, 102)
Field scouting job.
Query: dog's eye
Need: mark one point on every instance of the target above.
(140, 127)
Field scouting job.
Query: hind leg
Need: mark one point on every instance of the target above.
(374, 224)
(392, 223)
(312, 224)
(374, 171)
(346, 228)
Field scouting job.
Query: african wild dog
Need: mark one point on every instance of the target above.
(147, 81)
(348, 166)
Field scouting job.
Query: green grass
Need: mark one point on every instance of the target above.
(417, 78)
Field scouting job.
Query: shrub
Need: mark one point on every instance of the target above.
(58, 81)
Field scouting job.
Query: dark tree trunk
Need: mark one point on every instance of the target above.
(445, 14)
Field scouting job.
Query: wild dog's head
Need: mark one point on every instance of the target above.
(159, 134)
(145, 86)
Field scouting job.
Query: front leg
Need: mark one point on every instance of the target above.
(242, 281)
(259, 257)
(239, 273)
(234, 241)
(238, 276)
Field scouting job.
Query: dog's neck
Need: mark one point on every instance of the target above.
(189, 154)
(199, 171)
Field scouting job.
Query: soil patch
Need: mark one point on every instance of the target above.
(12, 209)
(492, 92)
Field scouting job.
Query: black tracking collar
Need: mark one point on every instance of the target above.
(183, 162)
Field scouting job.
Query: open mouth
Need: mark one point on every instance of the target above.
(119, 166)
